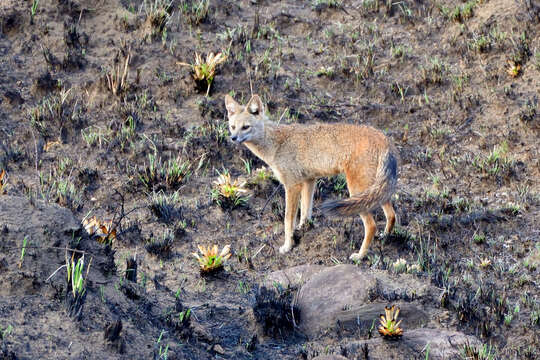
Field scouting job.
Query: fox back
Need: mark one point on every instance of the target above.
(298, 152)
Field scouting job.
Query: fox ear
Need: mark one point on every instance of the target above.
(255, 105)
(232, 106)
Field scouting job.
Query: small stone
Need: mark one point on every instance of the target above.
(13, 97)
(330, 357)
(201, 333)
(112, 330)
(218, 349)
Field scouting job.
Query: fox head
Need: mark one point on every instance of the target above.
(246, 124)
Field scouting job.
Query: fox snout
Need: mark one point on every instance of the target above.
(240, 137)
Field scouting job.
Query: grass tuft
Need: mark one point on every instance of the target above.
(195, 11)
(165, 206)
(158, 15)
(158, 174)
(204, 70)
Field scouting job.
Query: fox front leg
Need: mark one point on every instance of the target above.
(306, 202)
(292, 195)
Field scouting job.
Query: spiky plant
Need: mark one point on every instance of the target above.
(485, 263)
(513, 69)
(262, 174)
(205, 70)
(389, 327)
(103, 231)
(228, 192)
(3, 181)
(210, 261)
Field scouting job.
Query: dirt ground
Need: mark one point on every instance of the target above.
(455, 84)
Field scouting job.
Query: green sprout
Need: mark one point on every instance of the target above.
(75, 275)
(33, 10)
(23, 250)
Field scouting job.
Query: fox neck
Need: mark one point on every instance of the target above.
(265, 146)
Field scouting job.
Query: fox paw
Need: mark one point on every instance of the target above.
(285, 249)
(304, 225)
(357, 256)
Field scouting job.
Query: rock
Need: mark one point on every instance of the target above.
(362, 318)
(293, 277)
(218, 349)
(48, 228)
(347, 298)
(345, 301)
(13, 97)
(441, 344)
(36, 219)
(201, 333)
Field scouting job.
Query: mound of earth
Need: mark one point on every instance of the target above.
(345, 302)
(436, 344)
(34, 296)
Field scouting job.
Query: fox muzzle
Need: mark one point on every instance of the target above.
(238, 139)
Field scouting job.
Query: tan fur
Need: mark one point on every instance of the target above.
(300, 154)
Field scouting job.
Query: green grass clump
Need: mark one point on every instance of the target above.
(170, 174)
(459, 13)
(496, 163)
(195, 11)
(75, 276)
(165, 206)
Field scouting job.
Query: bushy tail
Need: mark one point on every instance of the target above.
(378, 193)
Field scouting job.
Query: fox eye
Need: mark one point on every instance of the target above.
(233, 127)
(245, 127)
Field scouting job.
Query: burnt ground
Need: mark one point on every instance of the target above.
(456, 86)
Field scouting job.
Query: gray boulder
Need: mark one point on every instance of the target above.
(439, 344)
(330, 357)
(347, 298)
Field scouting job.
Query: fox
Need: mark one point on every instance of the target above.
(299, 154)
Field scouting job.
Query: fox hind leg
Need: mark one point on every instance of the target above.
(292, 196)
(357, 182)
(369, 234)
(306, 202)
(390, 215)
